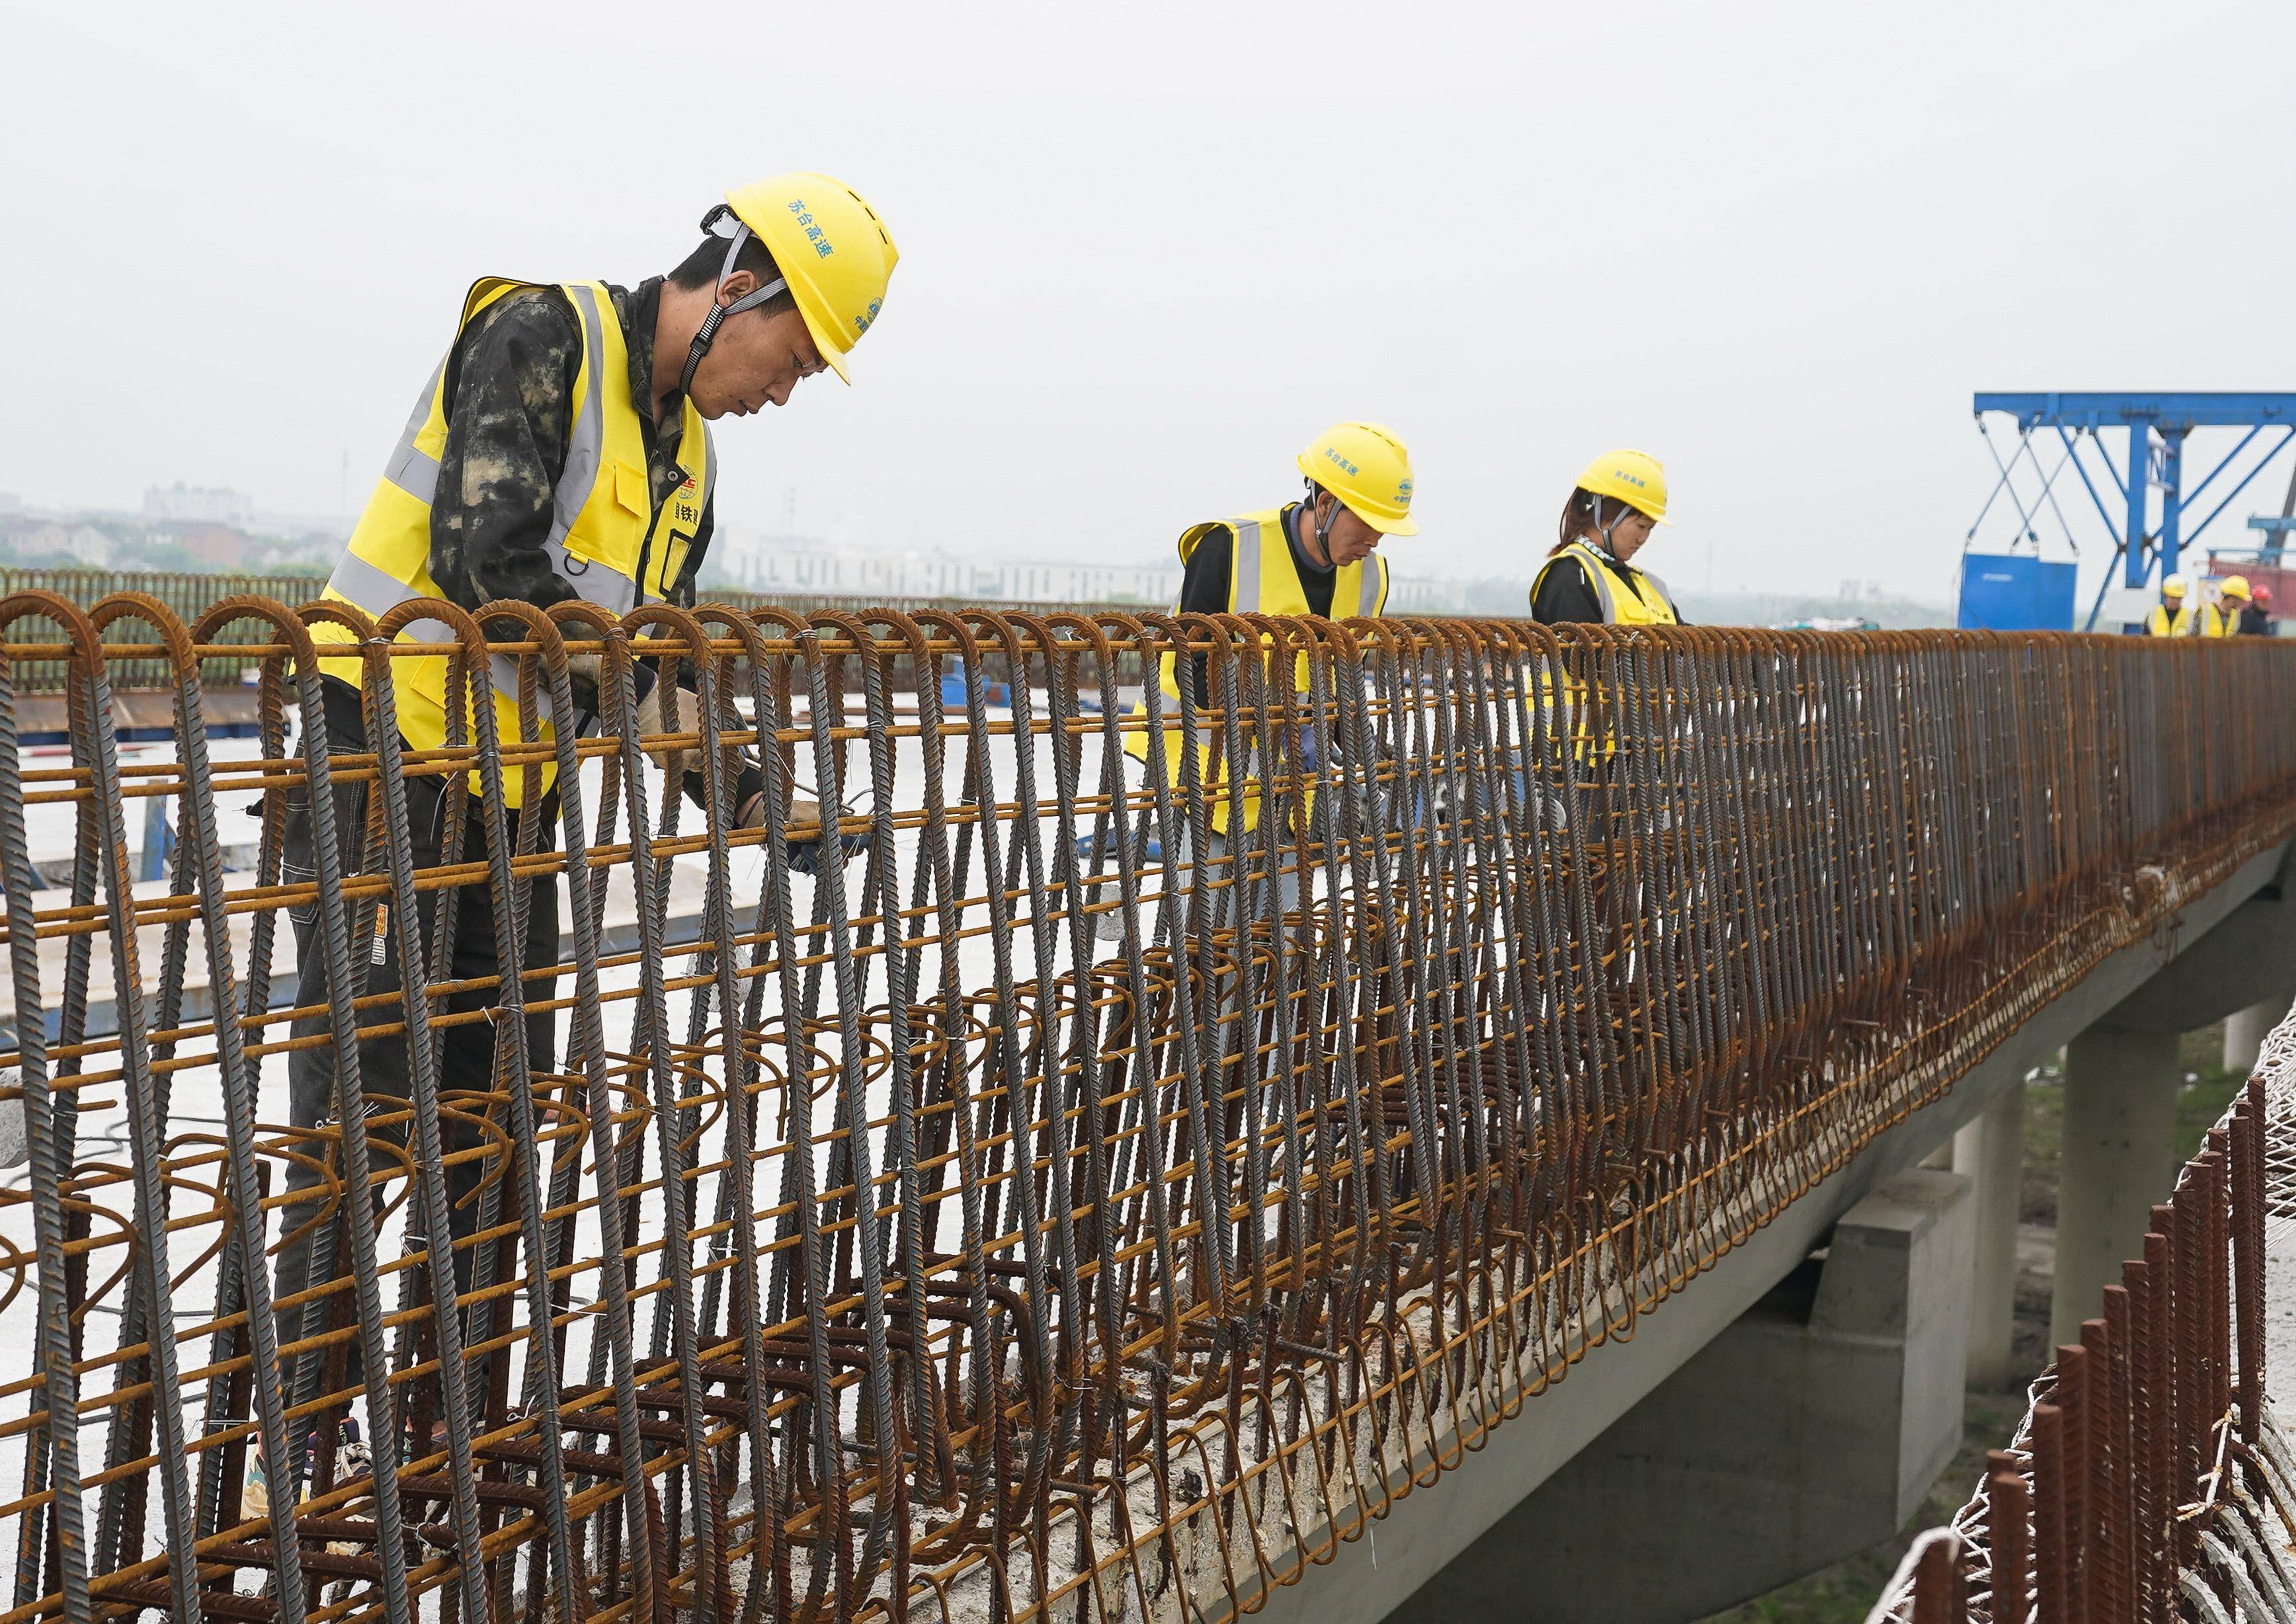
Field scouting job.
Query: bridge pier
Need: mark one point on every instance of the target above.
(1990, 1153)
(2120, 1113)
(2245, 1031)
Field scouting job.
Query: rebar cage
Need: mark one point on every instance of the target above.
(1141, 1131)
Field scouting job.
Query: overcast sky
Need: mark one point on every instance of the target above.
(1147, 252)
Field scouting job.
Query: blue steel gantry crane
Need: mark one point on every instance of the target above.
(2157, 424)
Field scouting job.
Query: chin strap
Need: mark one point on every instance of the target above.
(1594, 512)
(1322, 525)
(722, 222)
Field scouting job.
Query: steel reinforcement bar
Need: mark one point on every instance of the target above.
(189, 595)
(1089, 1179)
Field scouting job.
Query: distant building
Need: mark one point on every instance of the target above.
(47, 539)
(804, 564)
(182, 504)
(298, 551)
(32, 537)
(216, 547)
(1407, 595)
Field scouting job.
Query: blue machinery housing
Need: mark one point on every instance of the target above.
(2015, 591)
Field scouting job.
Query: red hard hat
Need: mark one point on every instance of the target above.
(2264, 595)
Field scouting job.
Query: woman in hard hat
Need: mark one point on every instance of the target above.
(1590, 576)
(2172, 616)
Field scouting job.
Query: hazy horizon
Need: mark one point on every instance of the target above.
(1143, 260)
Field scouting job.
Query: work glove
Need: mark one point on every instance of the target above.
(675, 760)
(586, 674)
(803, 828)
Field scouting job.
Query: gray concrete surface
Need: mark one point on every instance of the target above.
(1809, 1428)
(2119, 1157)
(1990, 1153)
(2245, 958)
(2245, 1031)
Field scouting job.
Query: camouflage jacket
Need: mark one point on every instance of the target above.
(510, 389)
(509, 383)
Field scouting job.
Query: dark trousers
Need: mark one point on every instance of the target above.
(317, 1250)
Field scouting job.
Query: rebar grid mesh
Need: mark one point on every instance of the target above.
(993, 1226)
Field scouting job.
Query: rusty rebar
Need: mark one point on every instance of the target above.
(1129, 1140)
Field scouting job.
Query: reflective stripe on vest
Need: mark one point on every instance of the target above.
(605, 527)
(1264, 579)
(1622, 605)
(413, 470)
(585, 450)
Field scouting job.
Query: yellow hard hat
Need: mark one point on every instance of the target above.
(1367, 468)
(2173, 586)
(831, 248)
(1632, 477)
(2234, 587)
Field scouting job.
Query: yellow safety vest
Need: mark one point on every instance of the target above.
(1261, 579)
(2187, 621)
(2215, 622)
(1622, 604)
(602, 523)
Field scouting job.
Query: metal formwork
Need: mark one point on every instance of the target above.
(1103, 1196)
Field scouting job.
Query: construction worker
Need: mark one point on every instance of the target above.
(2234, 605)
(2256, 619)
(2172, 616)
(1589, 574)
(560, 451)
(1315, 556)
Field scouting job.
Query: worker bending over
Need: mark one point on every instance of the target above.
(1315, 556)
(1589, 575)
(2172, 616)
(2234, 606)
(560, 451)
